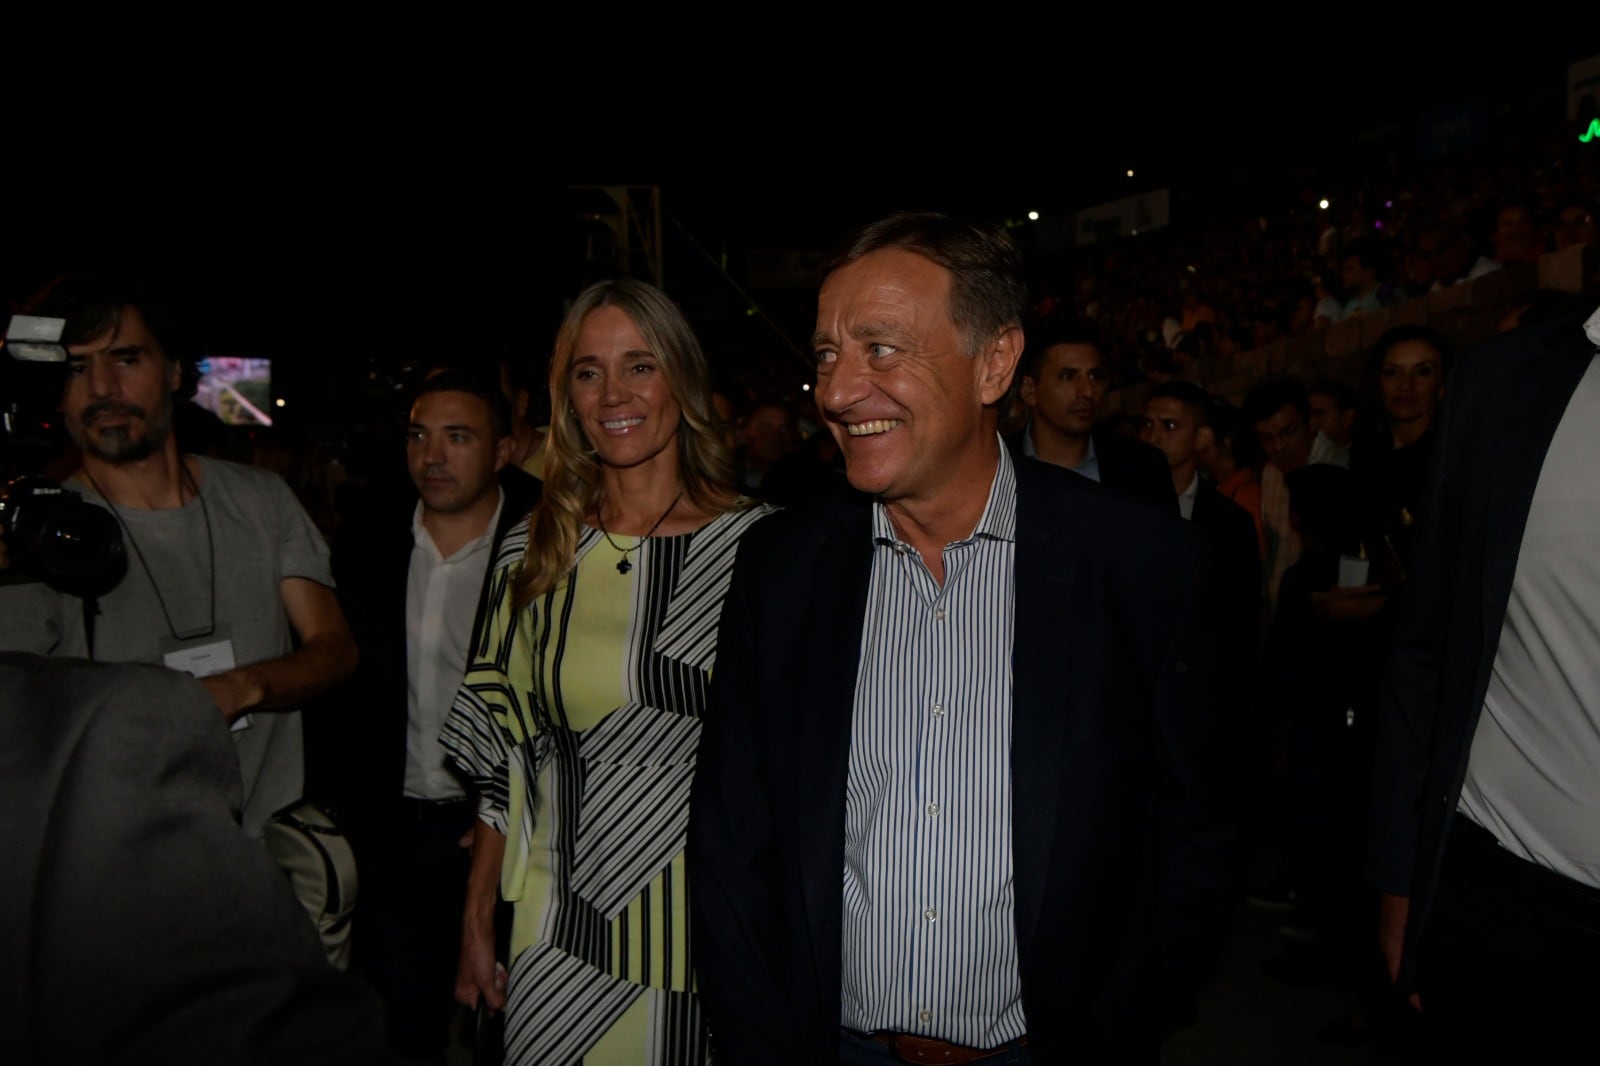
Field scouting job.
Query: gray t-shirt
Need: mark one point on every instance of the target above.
(261, 535)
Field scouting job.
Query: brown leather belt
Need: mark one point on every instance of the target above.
(920, 1049)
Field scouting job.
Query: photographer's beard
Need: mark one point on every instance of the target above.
(138, 436)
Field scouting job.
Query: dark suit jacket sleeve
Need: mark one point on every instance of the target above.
(151, 928)
(736, 919)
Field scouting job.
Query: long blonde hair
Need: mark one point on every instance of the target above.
(571, 469)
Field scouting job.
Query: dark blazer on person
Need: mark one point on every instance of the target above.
(1128, 467)
(357, 744)
(1505, 400)
(1123, 827)
(138, 923)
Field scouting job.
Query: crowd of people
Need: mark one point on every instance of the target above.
(664, 729)
(1240, 279)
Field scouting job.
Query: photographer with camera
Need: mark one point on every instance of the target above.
(227, 578)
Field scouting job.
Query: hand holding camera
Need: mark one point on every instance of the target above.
(50, 534)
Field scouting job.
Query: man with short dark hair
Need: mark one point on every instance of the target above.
(412, 585)
(962, 790)
(1064, 378)
(1176, 420)
(1281, 414)
(228, 578)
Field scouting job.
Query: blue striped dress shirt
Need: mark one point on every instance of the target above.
(929, 930)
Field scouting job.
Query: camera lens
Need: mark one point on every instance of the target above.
(55, 537)
(79, 551)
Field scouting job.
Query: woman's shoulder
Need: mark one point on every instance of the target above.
(726, 529)
(746, 512)
(733, 521)
(512, 546)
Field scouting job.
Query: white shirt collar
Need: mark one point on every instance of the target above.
(422, 538)
(1187, 497)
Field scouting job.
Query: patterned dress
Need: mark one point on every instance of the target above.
(578, 721)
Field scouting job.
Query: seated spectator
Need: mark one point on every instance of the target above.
(1574, 225)
(1329, 309)
(1417, 265)
(1300, 314)
(1361, 272)
(1456, 261)
(1516, 237)
(1333, 410)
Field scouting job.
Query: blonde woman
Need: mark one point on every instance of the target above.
(579, 716)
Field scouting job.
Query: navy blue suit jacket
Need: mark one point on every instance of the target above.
(1122, 829)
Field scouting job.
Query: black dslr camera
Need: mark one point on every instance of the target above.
(51, 533)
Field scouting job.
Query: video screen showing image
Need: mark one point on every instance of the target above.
(237, 390)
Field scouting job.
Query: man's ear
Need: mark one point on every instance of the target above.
(1204, 439)
(174, 375)
(999, 365)
(502, 452)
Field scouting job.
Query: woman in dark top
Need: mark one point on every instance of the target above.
(1407, 373)
(1352, 627)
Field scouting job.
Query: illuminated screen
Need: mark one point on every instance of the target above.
(238, 390)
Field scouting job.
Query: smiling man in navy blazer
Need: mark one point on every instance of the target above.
(963, 794)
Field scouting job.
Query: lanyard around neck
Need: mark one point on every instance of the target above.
(211, 554)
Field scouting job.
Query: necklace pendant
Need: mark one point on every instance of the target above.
(624, 566)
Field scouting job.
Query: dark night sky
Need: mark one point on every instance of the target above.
(384, 218)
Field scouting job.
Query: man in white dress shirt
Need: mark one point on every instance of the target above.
(412, 592)
(1486, 804)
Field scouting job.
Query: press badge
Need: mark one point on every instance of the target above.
(203, 660)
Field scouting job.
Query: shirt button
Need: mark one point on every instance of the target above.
(938, 614)
(924, 1016)
(938, 710)
(933, 809)
(931, 914)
